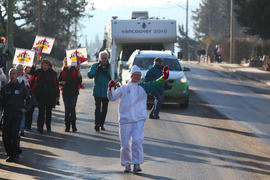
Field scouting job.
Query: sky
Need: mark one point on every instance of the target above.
(105, 9)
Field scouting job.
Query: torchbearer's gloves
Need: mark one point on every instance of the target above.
(111, 84)
(166, 72)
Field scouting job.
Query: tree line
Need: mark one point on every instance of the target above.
(212, 20)
(58, 19)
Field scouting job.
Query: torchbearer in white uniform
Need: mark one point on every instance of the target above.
(132, 115)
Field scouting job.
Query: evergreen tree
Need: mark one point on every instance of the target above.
(58, 19)
(182, 41)
(212, 19)
(94, 46)
(254, 15)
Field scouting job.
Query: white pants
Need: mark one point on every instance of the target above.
(131, 137)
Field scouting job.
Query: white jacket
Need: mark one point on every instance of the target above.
(132, 107)
(2, 77)
(25, 79)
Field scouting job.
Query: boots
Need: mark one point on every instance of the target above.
(127, 169)
(136, 168)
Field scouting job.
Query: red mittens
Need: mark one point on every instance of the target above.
(111, 84)
(166, 72)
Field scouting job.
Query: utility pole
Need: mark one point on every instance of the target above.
(10, 31)
(10, 28)
(40, 23)
(232, 39)
(187, 31)
(76, 31)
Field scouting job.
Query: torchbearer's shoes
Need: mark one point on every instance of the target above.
(127, 169)
(136, 168)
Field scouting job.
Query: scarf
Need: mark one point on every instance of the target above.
(74, 73)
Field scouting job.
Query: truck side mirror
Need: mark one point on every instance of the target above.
(180, 55)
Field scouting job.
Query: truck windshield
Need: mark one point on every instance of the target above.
(145, 63)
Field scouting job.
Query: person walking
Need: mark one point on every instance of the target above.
(3, 78)
(132, 115)
(101, 73)
(217, 54)
(16, 100)
(46, 90)
(29, 74)
(154, 73)
(70, 78)
(22, 78)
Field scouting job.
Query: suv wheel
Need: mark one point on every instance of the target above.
(185, 103)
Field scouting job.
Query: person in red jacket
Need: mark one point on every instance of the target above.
(70, 78)
(46, 91)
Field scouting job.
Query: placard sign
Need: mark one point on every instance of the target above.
(44, 43)
(24, 57)
(76, 56)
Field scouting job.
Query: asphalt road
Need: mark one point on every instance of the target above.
(195, 143)
(243, 100)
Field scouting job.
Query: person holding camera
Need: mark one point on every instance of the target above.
(45, 88)
(101, 73)
(70, 78)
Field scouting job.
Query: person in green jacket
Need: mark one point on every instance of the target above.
(101, 73)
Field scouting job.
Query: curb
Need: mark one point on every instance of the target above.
(246, 75)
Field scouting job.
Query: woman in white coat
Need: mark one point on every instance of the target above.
(132, 115)
(22, 78)
(2, 77)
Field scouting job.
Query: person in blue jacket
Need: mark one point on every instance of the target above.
(101, 73)
(154, 73)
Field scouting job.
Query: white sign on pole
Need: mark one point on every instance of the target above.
(45, 42)
(74, 54)
(24, 57)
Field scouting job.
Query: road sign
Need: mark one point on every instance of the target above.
(207, 41)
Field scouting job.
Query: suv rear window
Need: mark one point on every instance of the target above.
(145, 63)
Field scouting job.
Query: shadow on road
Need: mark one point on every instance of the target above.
(203, 154)
(149, 176)
(203, 109)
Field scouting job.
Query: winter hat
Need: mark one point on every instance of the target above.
(135, 68)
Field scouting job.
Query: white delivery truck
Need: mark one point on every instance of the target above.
(123, 36)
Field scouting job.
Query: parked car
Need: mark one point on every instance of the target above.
(179, 91)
